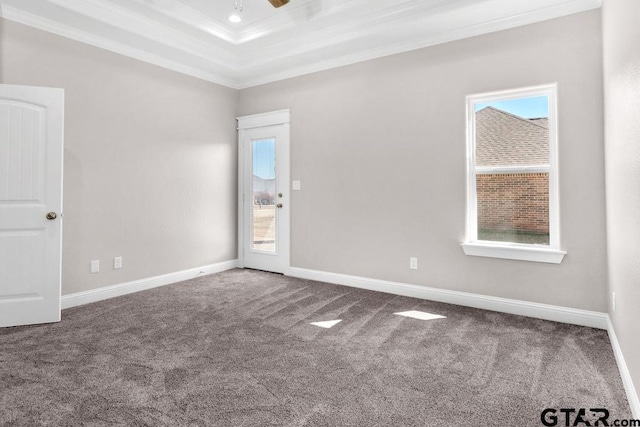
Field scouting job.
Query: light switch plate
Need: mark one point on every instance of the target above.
(296, 185)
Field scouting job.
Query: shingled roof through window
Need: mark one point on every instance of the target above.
(504, 139)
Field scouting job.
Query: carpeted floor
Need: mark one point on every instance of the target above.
(237, 349)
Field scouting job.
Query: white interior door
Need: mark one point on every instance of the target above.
(264, 191)
(31, 138)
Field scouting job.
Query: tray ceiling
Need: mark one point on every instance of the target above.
(195, 37)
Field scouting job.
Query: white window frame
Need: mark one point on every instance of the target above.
(516, 251)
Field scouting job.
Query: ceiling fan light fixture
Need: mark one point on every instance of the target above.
(278, 3)
(236, 16)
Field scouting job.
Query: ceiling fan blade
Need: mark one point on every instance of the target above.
(278, 3)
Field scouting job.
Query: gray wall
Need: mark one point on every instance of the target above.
(380, 149)
(150, 159)
(2, 57)
(621, 35)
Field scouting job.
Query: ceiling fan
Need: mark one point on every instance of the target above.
(236, 16)
(278, 3)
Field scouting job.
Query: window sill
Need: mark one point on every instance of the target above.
(517, 252)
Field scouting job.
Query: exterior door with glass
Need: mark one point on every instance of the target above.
(264, 191)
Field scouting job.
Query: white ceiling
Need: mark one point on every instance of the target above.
(195, 37)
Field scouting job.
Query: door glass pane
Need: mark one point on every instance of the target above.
(263, 218)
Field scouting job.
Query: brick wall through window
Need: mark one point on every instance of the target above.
(515, 202)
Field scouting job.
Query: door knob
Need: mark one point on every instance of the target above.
(279, 205)
(51, 216)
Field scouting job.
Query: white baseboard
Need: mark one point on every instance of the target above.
(94, 295)
(632, 395)
(574, 316)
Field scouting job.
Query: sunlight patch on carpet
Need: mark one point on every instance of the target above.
(327, 324)
(420, 315)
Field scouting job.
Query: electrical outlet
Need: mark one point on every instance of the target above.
(413, 263)
(613, 300)
(117, 262)
(95, 266)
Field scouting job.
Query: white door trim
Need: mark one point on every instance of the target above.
(273, 118)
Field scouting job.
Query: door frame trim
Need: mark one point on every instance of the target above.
(253, 121)
(271, 118)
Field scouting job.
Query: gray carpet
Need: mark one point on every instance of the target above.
(237, 349)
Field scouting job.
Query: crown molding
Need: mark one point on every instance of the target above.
(129, 21)
(263, 52)
(26, 18)
(192, 17)
(251, 79)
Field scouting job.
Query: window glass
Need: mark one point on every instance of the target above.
(263, 221)
(511, 167)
